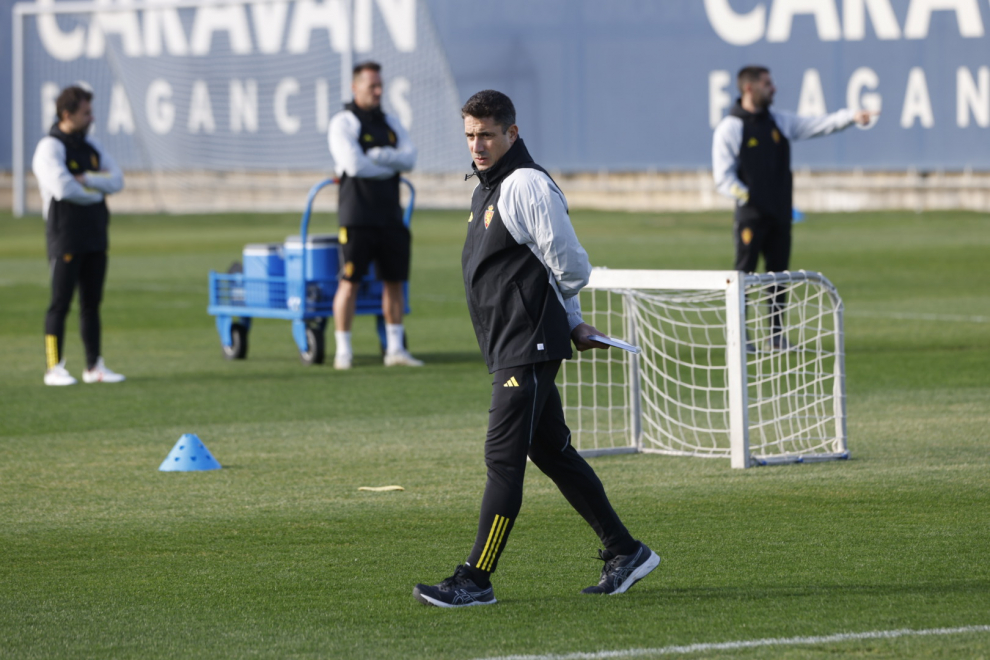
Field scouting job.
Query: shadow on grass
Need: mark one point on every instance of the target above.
(288, 370)
(659, 594)
(472, 357)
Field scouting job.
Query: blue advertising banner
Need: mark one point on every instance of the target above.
(638, 84)
(622, 85)
(239, 86)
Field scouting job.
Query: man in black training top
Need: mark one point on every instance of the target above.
(75, 175)
(523, 268)
(751, 163)
(369, 150)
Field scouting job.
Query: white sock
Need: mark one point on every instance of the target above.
(393, 337)
(343, 340)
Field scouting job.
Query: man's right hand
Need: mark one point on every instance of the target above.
(740, 193)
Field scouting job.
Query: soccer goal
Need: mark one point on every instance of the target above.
(733, 365)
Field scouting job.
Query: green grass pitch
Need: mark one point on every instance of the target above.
(278, 555)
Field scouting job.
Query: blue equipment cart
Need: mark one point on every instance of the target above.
(296, 281)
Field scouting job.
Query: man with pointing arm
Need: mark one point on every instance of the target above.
(751, 163)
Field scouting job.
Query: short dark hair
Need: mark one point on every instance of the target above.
(489, 103)
(750, 74)
(367, 65)
(70, 99)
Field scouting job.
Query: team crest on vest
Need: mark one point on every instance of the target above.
(776, 136)
(489, 214)
(95, 163)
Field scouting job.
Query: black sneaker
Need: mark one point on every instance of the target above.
(459, 590)
(623, 571)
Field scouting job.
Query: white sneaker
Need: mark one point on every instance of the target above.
(342, 361)
(401, 359)
(58, 376)
(101, 374)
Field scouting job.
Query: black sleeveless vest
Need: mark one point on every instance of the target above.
(370, 202)
(76, 228)
(765, 167)
(517, 316)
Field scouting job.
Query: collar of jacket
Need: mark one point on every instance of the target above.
(746, 115)
(516, 156)
(75, 139)
(366, 116)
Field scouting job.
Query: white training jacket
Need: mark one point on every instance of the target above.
(727, 141)
(534, 211)
(379, 162)
(56, 182)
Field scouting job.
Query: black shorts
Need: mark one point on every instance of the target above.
(756, 235)
(388, 247)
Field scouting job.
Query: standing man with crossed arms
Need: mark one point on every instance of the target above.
(523, 267)
(369, 150)
(75, 175)
(751, 163)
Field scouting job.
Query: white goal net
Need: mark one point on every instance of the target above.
(747, 367)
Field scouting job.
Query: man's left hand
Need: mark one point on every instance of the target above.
(864, 117)
(580, 334)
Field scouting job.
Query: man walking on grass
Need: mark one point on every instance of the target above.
(523, 268)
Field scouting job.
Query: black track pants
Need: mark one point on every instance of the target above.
(88, 272)
(526, 419)
(772, 239)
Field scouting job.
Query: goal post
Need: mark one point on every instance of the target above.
(740, 366)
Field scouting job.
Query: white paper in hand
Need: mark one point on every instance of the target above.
(618, 343)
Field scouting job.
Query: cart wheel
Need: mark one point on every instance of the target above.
(238, 343)
(315, 338)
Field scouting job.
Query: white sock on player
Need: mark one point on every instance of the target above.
(393, 338)
(343, 341)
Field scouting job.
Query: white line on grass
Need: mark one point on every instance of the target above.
(747, 644)
(907, 316)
